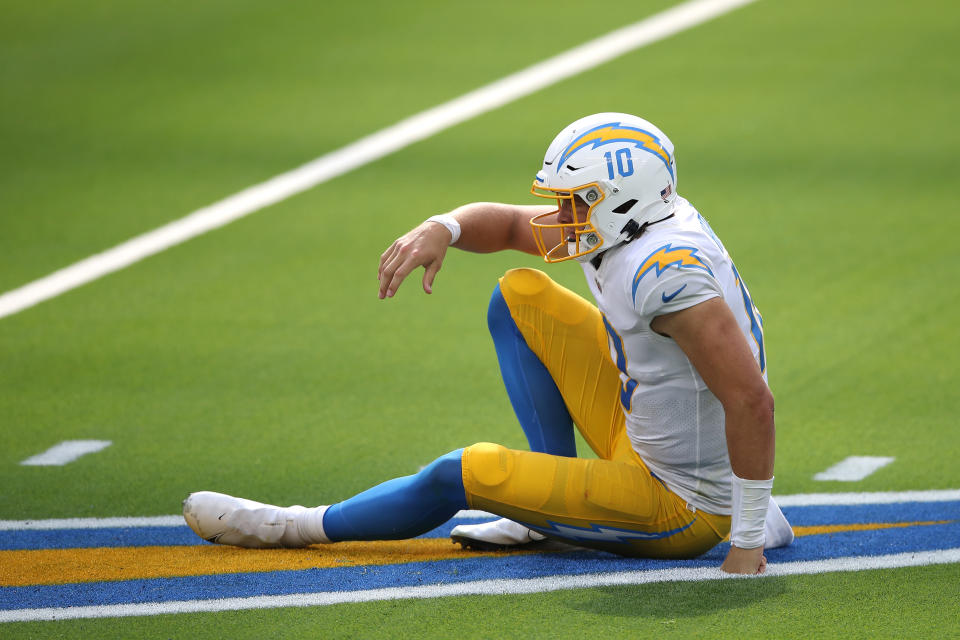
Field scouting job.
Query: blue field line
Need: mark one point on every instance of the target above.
(138, 536)
(183, 536)
(822, 515)
(465, 569)
(88, 538)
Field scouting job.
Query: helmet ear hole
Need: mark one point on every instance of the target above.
(626, 206)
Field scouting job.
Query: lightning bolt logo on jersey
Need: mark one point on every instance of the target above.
(615, 132)
(668, 256)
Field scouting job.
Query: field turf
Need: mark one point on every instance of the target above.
(819, 139)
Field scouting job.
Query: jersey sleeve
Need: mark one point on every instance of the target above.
(671, 279)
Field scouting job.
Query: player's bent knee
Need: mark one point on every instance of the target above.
(526, 289)
(524, 283)
(495, 477)
(487, 464)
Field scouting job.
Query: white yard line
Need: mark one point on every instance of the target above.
(482, 587)
(878, 497)
(65, 453)
(91, 523)
(373, 147)
(854, 468)
(796, 500)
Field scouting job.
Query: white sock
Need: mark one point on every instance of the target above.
(309, 526)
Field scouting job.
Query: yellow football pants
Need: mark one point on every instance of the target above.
(613, 503)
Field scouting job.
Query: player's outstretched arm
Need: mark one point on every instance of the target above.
(484, 227)
(709, 335)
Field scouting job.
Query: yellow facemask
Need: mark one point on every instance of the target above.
(578, 237)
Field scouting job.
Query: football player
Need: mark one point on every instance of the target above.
(665, 376)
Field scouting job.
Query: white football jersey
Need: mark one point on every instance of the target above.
(674, 421)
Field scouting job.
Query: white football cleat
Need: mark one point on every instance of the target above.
(495, 536)
(776, 530)
(223, 519)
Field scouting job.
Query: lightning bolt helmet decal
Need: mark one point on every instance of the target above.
(615, 132)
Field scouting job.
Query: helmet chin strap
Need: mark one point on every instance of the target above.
(634, 230)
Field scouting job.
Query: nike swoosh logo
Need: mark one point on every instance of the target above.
(668, 298)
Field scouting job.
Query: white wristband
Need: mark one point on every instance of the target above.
(450, 223)
(750, 501)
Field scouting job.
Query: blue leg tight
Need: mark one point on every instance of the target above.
(403, 507)
(535, 397)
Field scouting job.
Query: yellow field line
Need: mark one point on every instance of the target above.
(57, 566)
(874, 526)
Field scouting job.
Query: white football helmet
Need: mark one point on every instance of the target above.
(621, 166)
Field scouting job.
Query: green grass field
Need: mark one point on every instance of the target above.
(819, 138)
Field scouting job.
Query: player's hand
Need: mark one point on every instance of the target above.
(749, 561)
(424, 246)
